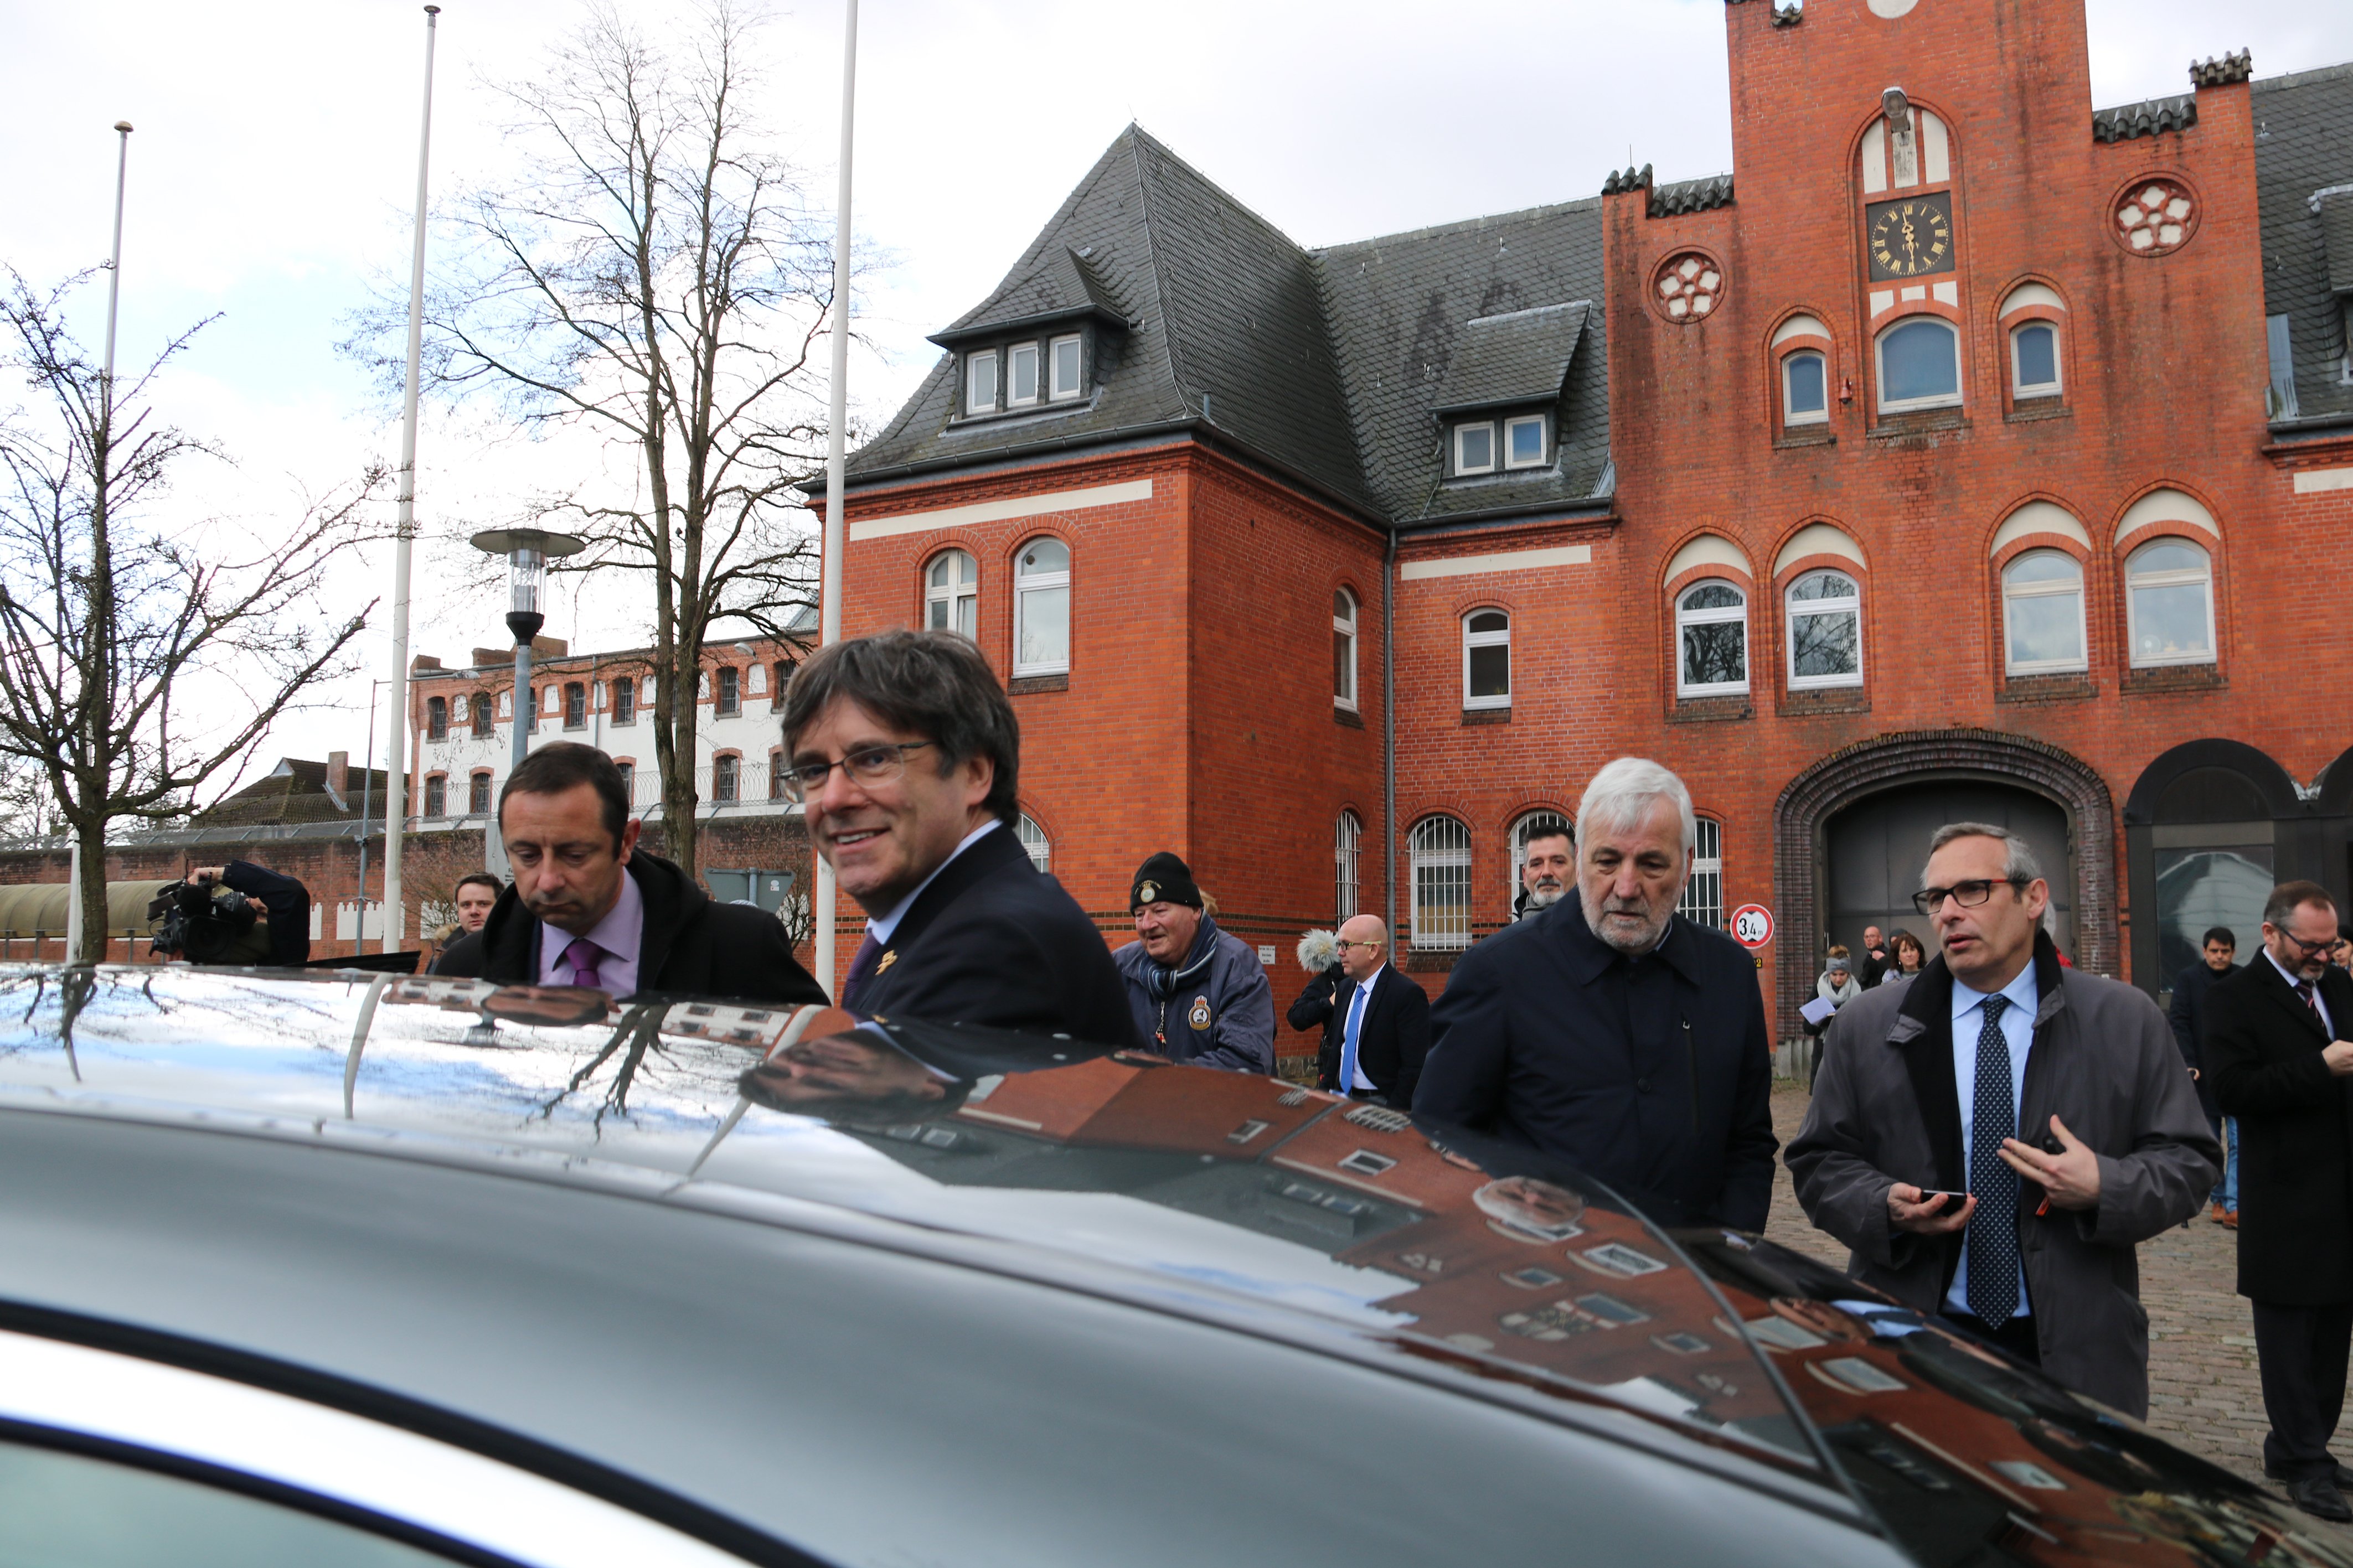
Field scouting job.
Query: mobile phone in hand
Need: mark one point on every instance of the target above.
(1929, 1195)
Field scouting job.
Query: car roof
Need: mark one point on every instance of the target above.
(1213, 1198)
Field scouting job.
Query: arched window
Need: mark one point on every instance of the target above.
(1441, 850)
(478, 795)
(1344, 650)
(480, 703)
(1919, 365)
(776, 774)
(1033, 839)
(437, 717)
(625, 700)
(2034, 360)
(1486, 659)
(1825, 631)
(2170, 602)
(575, 705)
(1805, 389)
(1703, 900)
(726, 779)
(629, 783)
(1710, 640)
(2042, 613)
(1347, 832)
(437, 795)
(1041, 611)
(951, 593)
(1523, 830)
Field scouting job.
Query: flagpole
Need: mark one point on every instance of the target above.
(74, 953)
(395, 771)
(829, 584)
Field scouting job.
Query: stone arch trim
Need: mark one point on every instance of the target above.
(1811, 798)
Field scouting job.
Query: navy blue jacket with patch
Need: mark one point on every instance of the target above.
(1218, 1011)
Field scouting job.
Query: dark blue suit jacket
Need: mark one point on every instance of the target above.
(996, 941)
(1655, 1076)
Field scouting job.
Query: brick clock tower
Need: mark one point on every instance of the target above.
(1969, 451)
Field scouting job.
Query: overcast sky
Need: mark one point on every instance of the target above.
(273, 170)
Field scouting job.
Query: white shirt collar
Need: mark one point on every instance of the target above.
(2023, 993)
(881, 927)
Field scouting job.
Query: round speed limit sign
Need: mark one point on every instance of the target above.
(1752, 925)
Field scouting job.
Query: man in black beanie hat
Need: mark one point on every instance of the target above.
(1199, 994)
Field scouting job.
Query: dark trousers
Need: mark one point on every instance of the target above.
(2015, 1336)
(2301, 1353)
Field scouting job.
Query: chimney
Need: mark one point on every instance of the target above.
(338, 770)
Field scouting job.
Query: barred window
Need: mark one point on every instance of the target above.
(478, 795)
(625, 700)
(1346, 900)
(437, 717)
(482, 722)
(575, 706)
(731, 689)
(1440, 851)
(436, 795)
(726, 773)
(629, 783)
(1703, 900)
(1033, 839)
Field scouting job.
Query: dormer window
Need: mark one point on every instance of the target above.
(980, 382)
(1063, 362)
(1022, 379)
(1474, 448)
(1523, 442)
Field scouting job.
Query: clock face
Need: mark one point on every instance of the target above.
(1910, 236)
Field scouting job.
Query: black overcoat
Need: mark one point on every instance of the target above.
(2262, 1049)
(1654, 1075)
(1392, 1038)
(690, 946)
(995, 941)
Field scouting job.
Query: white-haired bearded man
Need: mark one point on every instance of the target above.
(1611, 1032)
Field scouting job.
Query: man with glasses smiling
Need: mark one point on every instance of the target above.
(1995, 1139)
(905, 755)
(2276, 1051)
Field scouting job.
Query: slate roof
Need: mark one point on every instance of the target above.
(2304, 145)
(295, 791)
(1326, 364)
(1519, 357)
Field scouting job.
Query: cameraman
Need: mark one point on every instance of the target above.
(285, 902)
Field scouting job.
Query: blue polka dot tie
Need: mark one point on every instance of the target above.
(1993, 1229)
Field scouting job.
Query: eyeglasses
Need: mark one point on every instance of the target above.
(866, 766)
(1969, 894)
(1343, 944)
(2309, 949)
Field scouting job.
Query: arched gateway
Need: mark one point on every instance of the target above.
(2011, 775)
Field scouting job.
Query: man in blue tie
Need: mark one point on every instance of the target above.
(1995, 1139)
(1377, 1022)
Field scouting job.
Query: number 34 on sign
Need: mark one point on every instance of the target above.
(1752, 925)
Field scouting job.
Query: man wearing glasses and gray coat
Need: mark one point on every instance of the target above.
(1995, 1139)
(905, 755)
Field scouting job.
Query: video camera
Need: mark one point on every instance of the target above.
(205, 922)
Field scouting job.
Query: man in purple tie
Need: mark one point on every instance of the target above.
(905, 755)
(590, 907)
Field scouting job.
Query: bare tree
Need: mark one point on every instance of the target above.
(105, 617)
(656, 275)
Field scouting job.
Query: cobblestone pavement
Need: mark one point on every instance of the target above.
(2202, 1389)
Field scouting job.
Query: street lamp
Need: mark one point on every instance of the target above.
(528, 551)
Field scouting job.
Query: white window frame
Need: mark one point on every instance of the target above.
(972, 400)
(1013, 357)
(1688, 617)
(1055, 389)
(1544, 441)
(1523, 830)
(2134, 580)
(1346, 627)
(1024, 585)
(1703, 898)
(1448, 863)
(1472, 639)
(2021, 389)
(1792, 608)
(1034, 842)
(1791, 418)
(1914, 404)
(2046, 590)
(1464, 428)
(961, 594)
(1348, 888)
